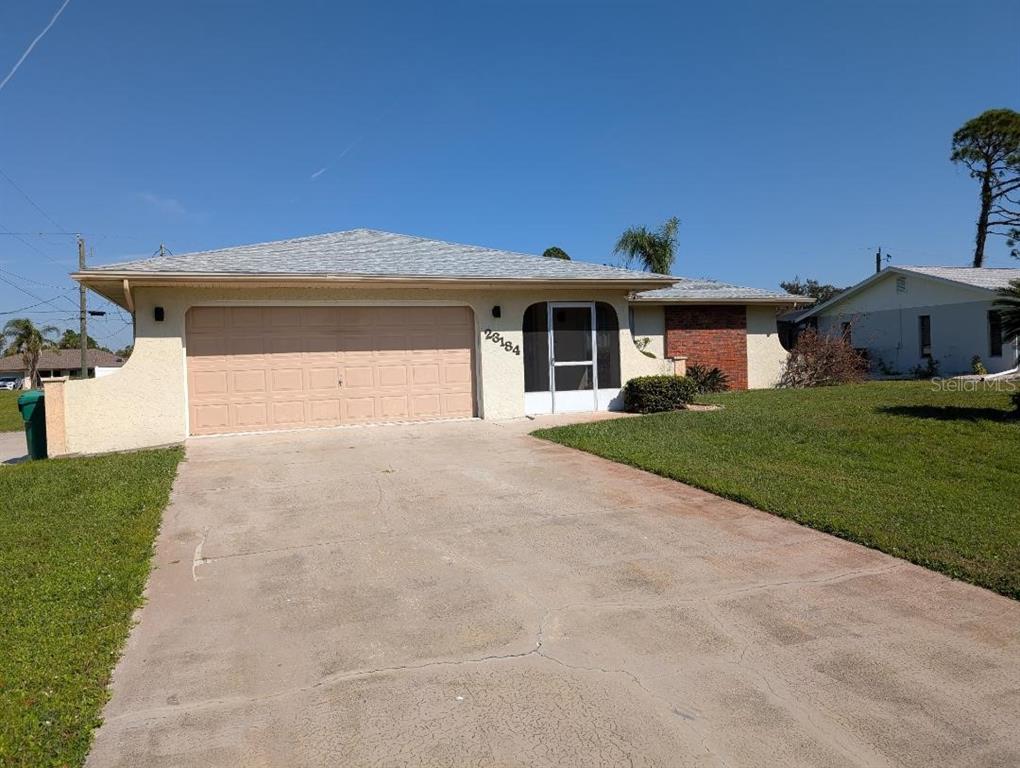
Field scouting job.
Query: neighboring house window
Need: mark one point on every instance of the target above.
(994, 334)
(846, 329)
(925, 333)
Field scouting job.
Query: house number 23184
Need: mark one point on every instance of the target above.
(497, 338)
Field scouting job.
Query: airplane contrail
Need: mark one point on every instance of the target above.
(364, 135)
(340, 157)
(32, 45)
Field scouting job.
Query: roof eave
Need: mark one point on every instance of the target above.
(759, 300)
(141, 278)
(110, 283)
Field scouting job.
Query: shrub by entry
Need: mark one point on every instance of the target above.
(652, 394)
(708, 380)
(820, 360)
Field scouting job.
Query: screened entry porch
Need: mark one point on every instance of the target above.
(571, 357)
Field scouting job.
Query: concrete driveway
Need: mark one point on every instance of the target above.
(462, 594)
(12, 448)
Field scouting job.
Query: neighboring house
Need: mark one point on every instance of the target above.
(905, 317)
(62, 362)
(365, 326)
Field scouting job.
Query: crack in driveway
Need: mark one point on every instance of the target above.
(607, 613)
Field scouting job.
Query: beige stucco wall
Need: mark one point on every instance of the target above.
(650, 323)
(145, 402)
(56, 430)
(765, 355)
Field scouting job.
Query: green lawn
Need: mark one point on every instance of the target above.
(75, 542)
(932, 477)
(10, 417)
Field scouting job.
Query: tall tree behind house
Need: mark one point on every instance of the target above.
(989, 147)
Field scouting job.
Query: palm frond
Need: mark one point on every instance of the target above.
(655, 251)
(1008, 307)
(633, 244)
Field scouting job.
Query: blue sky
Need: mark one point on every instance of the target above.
(789, 138)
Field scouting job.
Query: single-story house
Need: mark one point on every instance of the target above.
(905, 316)
(364, 326)
(62, 362)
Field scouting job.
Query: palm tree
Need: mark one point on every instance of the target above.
(28, 340)
(655, 251)
(1008, 306)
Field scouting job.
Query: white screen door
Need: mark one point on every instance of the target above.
(572, 356)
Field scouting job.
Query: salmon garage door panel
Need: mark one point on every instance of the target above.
(263, 368)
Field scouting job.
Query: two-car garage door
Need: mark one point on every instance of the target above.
(265, 368)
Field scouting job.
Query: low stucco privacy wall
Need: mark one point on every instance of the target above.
(145, 402)
(649, 323)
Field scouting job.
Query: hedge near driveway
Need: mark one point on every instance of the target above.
(76, 538)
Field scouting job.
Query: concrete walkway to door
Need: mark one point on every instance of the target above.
(461, 594)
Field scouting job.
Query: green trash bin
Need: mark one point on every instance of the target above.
(32, 405)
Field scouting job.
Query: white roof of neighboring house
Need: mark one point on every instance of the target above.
(989, 279)
(992, 278)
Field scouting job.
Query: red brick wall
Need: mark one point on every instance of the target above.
(712, 335)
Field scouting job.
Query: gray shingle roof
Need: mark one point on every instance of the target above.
(64, 359)
(707, 291)
(370, 253)
(991, 278)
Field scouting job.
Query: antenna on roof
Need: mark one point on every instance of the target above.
(163, 251)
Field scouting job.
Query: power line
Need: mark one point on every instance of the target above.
(40, 234)
(31, 295)
(30, 280)
(34, 204)
(29, 310)
(30, 245)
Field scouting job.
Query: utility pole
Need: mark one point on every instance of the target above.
(83, 312)
(878, 259)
